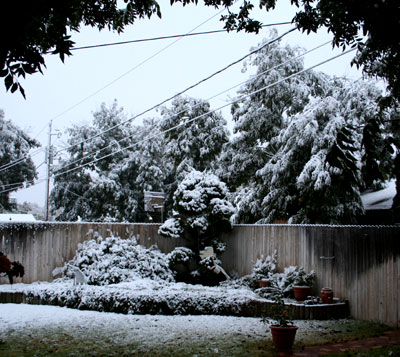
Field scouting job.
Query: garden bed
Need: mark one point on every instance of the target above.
(161, 298)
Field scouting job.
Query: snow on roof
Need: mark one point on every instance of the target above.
(382, 199)
(17, 217)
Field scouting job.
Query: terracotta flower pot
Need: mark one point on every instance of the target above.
(263, 283)
(301, 292)
(283, 337)
(326, 295)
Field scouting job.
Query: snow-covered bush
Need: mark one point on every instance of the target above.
(292, 276)
(147, 297)
(113, 260)
(180, 255)
(265, 268)
(182, 261)
(202, 212)
(280, 283)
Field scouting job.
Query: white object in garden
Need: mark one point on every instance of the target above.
(209, 252)
(79, 277)
(57, 271)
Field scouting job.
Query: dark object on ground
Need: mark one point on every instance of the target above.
(5, 264)
(11, 269)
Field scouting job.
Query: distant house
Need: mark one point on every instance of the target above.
(154, 205)
(378, 205)
(17, 217)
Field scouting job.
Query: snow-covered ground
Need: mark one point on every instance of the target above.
(144, 332)
(148, 329)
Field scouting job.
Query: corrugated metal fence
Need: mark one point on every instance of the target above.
(359, 263)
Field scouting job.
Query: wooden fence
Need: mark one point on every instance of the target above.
(360, 263)
(41, 247)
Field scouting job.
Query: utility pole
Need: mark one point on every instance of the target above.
(49, 162)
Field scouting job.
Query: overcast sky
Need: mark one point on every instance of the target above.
(141, 75)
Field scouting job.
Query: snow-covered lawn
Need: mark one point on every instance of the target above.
(49, 330)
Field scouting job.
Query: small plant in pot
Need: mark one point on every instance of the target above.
(282, 329)
(302, 284)
(264, 269)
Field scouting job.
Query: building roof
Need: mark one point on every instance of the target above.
(382, 199)
(17, 217)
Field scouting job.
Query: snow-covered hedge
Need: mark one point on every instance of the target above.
(146, 296)
(113, 260)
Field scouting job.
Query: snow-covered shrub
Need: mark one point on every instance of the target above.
(280, 283)
(264, 268)
(292, 276)
(202, 213)
(113, 260)
(201, 210)
(147, 297)
(182, 261)
(171, 228)
(180, 255)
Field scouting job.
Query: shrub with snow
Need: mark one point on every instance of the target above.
(182, 261)
(147, 297)
(280, 283)
(265, 268)
(113, 260)
(202, 212)
(292, 276)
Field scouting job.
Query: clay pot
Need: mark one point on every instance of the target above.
(283, 337)
(263, 283)
(326, 295)
(301, 292)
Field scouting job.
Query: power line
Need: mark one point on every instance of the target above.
(132, 69)
(212, 97)
(201, 116)
(20, 160)
(129, 71)
(166, 37)
(183, 91)
(33, 184)
(212, 111)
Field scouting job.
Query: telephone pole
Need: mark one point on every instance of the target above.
(49, 162)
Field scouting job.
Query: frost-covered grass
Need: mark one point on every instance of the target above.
(31, 330)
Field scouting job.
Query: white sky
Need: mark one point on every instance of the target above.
(182, 64)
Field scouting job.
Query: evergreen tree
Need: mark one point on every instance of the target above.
(201, 213)
(17, 168)
(306, 147)
(260, 117)
(193, 138)
(105, 177)
(315, 176)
